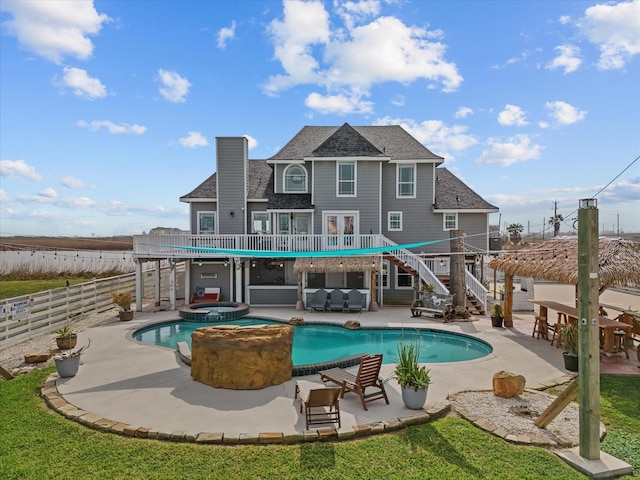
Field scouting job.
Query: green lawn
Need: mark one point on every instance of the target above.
(17, 288)
(36, 443)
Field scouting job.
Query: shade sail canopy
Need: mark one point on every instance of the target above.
(336, 264)
(557, 260)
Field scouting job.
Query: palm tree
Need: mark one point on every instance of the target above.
(555, 221)
(515, 229)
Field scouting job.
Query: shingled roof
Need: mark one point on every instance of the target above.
(259, 184)
(390, 141)
(451, 193)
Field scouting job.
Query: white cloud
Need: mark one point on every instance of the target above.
(568, 59)
(54, 30)
(340, 104)
(564, 113)
(48, 193)
(18, 169)
(96, 125)
(399, 101)
(3, 196)
(512, 115)
(564, 19)
(225, 34)
(253, 143)
(354, 12)
(463, 112)
(193, 140)
(515, 150)
(434, 134)
(615, 29)
(73, 182)
(82, 84)
(349, 60)
(543, 125)
(174, 88)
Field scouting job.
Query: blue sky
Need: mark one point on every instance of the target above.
(109, 110)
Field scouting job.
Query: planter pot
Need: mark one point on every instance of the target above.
(126, 315)
(68, 367)
(67, 343)
(414, 399)
(496, 322)
(570, 361)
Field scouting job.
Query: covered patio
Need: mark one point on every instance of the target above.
(556, 260)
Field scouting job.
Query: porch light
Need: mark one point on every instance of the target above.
(253, 264)
(311, 264)
(199, 263)
(340, 263)
(281, 264)
(226, 264)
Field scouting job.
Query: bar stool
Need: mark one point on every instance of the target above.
(620, 343)
(558, 336)
(540, 328)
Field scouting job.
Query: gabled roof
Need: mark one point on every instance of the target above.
(346, 142)
(451, 193)
(393, 141)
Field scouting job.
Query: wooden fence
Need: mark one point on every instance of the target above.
(29, 316)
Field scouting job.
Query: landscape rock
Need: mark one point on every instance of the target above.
(352, 324)
(296, 321)
(508, 384)
(242, 358)
(37, 357)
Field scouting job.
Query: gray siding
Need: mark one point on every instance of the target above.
(366, 202)
(474, 225)
(222, 281)
(231, 155)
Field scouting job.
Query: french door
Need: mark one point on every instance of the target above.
(340, 229)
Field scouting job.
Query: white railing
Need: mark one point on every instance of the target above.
(29, 316)
(196, 246)
(415, 262)
(476, 288)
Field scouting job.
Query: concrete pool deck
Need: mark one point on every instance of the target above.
(142, 390)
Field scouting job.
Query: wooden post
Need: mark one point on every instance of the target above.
(588, 330)
(5, 374)
(373, 293)
(507, 307)
(300, 303)
(457, 283)
(559, 404)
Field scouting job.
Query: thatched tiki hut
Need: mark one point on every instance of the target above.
(369, 263)
(557, 260)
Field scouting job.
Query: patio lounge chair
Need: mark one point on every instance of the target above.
(320, 404)
(367, 377)
(319, 301)
(354, 301)
(336, 300)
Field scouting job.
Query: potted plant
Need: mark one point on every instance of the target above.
(124, 301)
(66, 338)
(496, 315)
(413, 378)
(570, 335)
(68, 362)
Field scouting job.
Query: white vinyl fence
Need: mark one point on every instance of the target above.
(29, 316)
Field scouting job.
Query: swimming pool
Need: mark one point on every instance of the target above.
(323, 345)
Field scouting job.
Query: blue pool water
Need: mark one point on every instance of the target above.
(327, 343)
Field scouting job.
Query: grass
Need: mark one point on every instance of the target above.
(17, 288)
(37, 443)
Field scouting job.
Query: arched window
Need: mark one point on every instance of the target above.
(295, 179)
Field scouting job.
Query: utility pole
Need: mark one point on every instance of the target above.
(544, 225)
(588, 330)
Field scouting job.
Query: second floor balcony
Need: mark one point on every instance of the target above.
(223, 246)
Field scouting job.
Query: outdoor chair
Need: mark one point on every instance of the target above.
(319, 301)
(320, 403)
(354, 301)
(366, 378)
(336, 300)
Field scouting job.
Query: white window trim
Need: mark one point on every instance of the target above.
(388, 285)
(284, 179)
(215, 227)
(404, 273)
(355, 179)
(389, 227)
(444, 221)
(253, 220)
(415, 183)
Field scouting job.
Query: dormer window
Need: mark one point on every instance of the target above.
(295, 179)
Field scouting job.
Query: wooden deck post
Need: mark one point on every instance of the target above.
(588, 330)
(559, 404)
(507, 307)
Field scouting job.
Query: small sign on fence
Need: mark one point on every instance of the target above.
(18, 310)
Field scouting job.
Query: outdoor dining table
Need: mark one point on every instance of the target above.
(570, 314)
